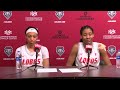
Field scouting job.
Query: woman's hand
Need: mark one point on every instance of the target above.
(101, 46)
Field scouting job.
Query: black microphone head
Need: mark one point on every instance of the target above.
(88, 48)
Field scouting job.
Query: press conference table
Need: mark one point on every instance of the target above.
(101, 72)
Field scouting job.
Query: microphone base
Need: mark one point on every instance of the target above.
(87, 66)
(35, 65)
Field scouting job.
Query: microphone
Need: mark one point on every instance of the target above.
(88, 48)
(37, 49)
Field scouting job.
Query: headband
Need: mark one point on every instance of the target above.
(31, 30)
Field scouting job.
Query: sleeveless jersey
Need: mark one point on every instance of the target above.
(29, 59)
(82, 55)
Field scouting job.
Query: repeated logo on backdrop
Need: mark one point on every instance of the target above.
(8, 36)
(60, 35)
(85, 16)
(7, 15)
(60, 51)
(111, 50)
(111, 35)
(33, 16)
(8, 50)
(59, 15)
(58, 28)
(111, 14)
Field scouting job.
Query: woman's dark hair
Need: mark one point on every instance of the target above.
(31, 27)
(81, 40)
(86, 27)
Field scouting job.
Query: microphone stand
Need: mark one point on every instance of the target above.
(87, 66)
(35, 64)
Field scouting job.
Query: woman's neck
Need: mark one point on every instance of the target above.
(30, 47)
(84, 44)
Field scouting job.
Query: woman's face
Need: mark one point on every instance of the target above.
(31, 37)
(87, 36)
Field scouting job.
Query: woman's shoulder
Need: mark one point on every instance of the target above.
(96, 42)
(99, 43)
(76, 45)
(23, 46)
(43, 47)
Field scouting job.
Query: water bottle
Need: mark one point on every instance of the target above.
(118, 59)
(18, 60)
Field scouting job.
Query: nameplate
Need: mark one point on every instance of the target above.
(44, 70)
(70, 70)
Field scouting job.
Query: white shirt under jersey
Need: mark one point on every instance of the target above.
(82, 55)
(29, 58)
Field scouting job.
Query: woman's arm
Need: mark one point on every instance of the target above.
(45, 55)
(104, 55)
(46, 62)
(72, 55)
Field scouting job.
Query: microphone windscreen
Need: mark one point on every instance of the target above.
(37, 47)
(88, 48)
